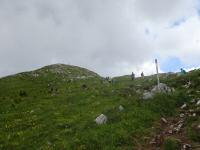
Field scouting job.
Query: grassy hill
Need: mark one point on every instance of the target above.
(55, 108)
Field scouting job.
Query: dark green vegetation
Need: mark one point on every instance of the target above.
(172, 144)
(55, 108)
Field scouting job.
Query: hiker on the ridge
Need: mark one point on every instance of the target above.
(183, 71)
(142, 74)
(132, 76)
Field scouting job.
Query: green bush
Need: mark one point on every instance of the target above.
(23, 93)
(171, 143)
(193, 132)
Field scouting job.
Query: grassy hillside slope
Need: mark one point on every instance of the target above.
(55, 108)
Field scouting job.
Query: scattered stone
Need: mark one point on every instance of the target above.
(198, 103)
(187, 85)
(170, 131)
(35, 75)
(32, 111)
(191, 110)
(121, 108)
(159, 140)
(81, 77)
(193, 101)
(162, 88)
(173, 89)
(49, 143)
(164, 120)
(152, 142)
(171, 126)
(178, 128)
(187, 146)
(101, 119)
(194, 114)
(184, 106)
(147, 95)
(182, 115)
(138, 91)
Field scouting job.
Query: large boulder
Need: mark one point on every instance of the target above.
(101, 119)
(162, 88)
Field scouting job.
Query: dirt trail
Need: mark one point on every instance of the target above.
(174, 127)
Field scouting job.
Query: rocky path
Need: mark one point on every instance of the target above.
(176, 128)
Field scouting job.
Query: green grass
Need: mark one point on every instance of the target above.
(172, 144)
(64, 119)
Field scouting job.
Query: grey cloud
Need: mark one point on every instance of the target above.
(101, 35)
(161, 11)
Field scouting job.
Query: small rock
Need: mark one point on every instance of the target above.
(32, 111)
(182, 115)
(187, 147)
(147, 95)
(178, 128)
(121, 108)
(194, 114)
(193, 101)
(101, 119)
(138, 91)
(163, 88)
(191, 110)
(173, 89)
(153, 141)
(198, 127)
(49, 143)
(164, 120)
(184, 106)
(198, 103)
(170, 131)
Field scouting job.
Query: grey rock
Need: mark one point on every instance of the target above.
(164, 120)
(147, 95)
(198, 102)
(138, 91)
(101, 119)
(193, 101)
(162, 88)
(35, 75)
(178, 128)
(121, 108)
(184, 106)
(170, 131)
(186, 147)
(182, 115)
(194, 114)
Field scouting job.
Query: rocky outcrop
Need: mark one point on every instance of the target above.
(161, 88)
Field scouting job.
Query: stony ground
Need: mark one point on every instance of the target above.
(176, 127)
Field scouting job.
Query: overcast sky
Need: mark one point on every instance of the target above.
(110, 37)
